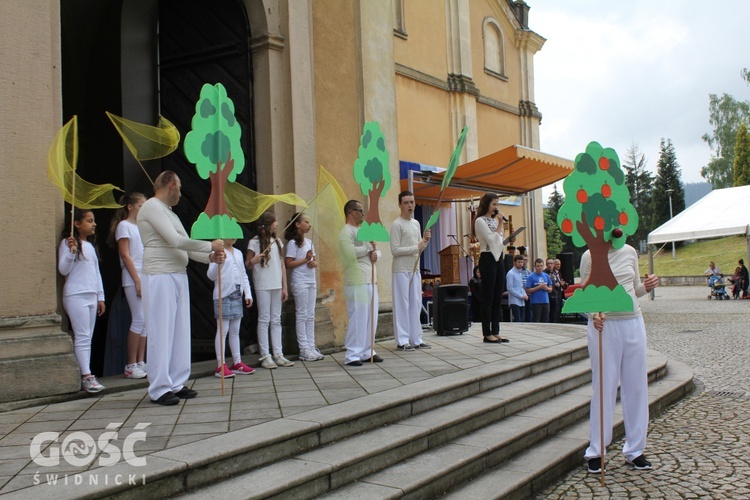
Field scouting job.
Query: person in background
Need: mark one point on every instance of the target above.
(475, 286)
(745, 278)
(713, 270)
(538, 286)
(555, 295)
(516, 293)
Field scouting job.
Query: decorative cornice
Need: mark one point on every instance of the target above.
(462, 83)
(528, 108)
(269, 41)
(421, 77)
(526, 39)
(494, 103)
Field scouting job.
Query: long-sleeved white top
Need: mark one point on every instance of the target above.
(81, 275)
(232, 274)
(355, 256)
(624, 265)
(489, 239)
(166, 245)
(405, 238)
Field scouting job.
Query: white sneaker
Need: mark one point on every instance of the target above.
(317, 353)
(307, 355)
(282, 361)
(133, 371)
(91, 385)
(142, 366)
(267, 363)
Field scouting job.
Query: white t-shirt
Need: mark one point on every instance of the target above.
(268, 277)
(126, 229)
(301, 274)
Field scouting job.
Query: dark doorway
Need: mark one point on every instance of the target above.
(138, 59)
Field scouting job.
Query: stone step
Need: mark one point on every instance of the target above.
(341, 463)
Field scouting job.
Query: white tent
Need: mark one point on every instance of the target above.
(722, 212)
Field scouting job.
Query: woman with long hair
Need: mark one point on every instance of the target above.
(489, 229)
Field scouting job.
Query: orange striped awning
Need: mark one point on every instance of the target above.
(510, 171)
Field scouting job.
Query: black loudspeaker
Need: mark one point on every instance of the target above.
(566, 266)
(451, 308)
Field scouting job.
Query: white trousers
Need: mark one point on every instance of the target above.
(81, 310)
(135, 303)
(269, 314)
(304, 308)
(362, 309)
(166, 307)
(407, 306)
(231, 326)
(624, 356)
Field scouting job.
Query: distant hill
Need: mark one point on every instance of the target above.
(694, 191)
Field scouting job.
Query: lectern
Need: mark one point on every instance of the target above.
(449, 265)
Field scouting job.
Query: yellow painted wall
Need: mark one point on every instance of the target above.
(496, 129)
(424, 134)
(425, 49)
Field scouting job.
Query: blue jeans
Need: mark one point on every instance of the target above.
(518, 313)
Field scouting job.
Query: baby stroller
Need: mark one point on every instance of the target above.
(717, 286)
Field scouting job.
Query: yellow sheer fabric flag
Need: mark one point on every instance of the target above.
(247, 205)
(62, 160)
(144, 141)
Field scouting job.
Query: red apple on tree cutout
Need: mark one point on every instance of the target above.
(599, 223)
(582, 196)
(567, 226)
(604, 163)
(623, 218)
(606, 190)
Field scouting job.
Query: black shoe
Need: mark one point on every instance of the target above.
(640, 463)
(356, 362)
(503, 339)
(485, 339)
(186, 393)
(375, 358)
(595, 465)
(166, 399)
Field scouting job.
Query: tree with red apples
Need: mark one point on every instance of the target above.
(597, 213)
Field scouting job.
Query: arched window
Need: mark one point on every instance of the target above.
(494, 49)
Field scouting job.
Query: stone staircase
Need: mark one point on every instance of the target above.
(523, 419)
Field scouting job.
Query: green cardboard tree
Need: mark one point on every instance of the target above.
(597, 213)
(374, 177)
(213, 145)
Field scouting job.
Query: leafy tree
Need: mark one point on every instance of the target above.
(741, 168)
(668, 176)
(725, 115)
(554, 236)
(640, 183)
(213, 145)
(597, 213)
(372, 172)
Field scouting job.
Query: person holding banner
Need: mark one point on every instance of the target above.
(623, 337)
(407, 243)
(166, 297)
(360, 287)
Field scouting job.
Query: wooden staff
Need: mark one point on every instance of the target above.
(221, 333)
(372, 312)
(602, 451)
(73, 176)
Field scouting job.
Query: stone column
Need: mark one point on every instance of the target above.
(36, 357)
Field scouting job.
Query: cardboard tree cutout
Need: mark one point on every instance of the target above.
(371, 171)
(597, 213)
(213, 145)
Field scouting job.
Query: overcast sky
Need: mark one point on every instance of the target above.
(636, 71)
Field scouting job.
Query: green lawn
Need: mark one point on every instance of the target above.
(693, 258)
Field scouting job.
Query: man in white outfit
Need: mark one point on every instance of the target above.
(624, 356)
(360, 288)
(166, 298)
(406, 245)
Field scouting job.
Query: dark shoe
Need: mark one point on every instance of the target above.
(503, 339)
(640, 463)
(595, 465)
(486, 339)
(405, 347)
(354, 363)
(166, 399)
(186, 393)
(375, 359)
(423, 345)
